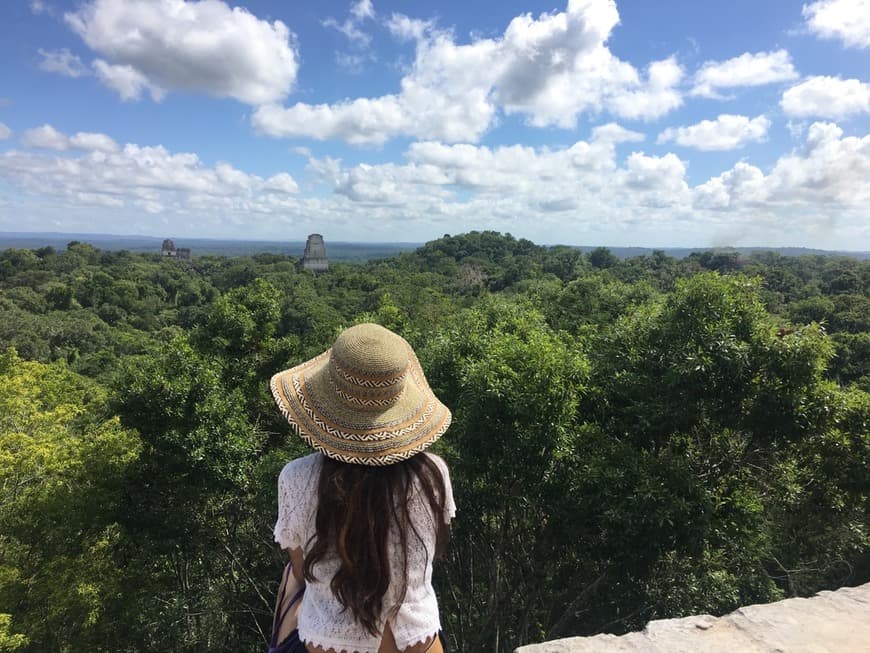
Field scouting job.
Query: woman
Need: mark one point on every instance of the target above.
(364, 518)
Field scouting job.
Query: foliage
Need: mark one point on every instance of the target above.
(632, 439)
(62, 468)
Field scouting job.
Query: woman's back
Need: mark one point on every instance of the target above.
(409, 604)
(367, 517)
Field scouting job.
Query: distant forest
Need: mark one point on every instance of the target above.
(341, 250)
(633, 439)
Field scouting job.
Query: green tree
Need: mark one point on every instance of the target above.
(513, 385)
(62, 464)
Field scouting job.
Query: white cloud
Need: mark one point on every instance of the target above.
(582, 187)
(99, 199)
(38, 7)
(727, 132)
(45, 137)
(831, 171)
(796, 128)
(408, 29)
(549, 194)
(350, 27)
(48, 138)
(359, 121)
(653, 98)
(150, 179)
(551, 69)
(192, 46)
(613, 133)
(93, 142)
(351, 30)
(282, 183)
(126, 81)
(746, 70)
(827, 97)
(832, 168)
(744, 183)
(5, 132)
(657, 181)
(583, 175)
(62, 62)
(362, 9)
(846, 20)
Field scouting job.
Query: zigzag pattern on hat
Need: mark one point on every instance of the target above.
(367, 403)
(358, 437)
(386, 459)
(362, 381)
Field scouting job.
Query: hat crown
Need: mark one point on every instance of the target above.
(368, 365)
(371, 350)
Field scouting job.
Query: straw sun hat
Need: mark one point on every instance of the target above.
(364, 401)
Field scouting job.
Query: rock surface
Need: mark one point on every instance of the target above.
(830, 622)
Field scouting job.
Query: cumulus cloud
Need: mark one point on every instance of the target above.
(360, 40)
(746, 70)
(614, 133)
(351, 29)
(93, 142)
(5, 132)
(165, 45)
(138, 178)
(845, 20)
(743, 184)
(126, 81)
(656, 181)
(829, 171)
(579, 177)
(828, 178)
(47, 137)
(727, 132)
(62, 62)
(282, 183)
(568, 193)
(362, 9)
(826, 97)
(408, 29)
(655, 96)
(551, 69)
(358, 121)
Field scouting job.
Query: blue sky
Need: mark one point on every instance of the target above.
(580, 122)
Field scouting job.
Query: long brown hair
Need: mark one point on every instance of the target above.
(357, 505)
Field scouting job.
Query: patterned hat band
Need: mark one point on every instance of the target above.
(364, 396)
(364, 401)
(366, 391)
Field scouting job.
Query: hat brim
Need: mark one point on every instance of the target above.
(308, 400)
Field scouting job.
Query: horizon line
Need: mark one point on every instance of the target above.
(33, 234)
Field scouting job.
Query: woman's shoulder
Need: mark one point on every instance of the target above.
(449, 503)
(439, 462)
(300, 469)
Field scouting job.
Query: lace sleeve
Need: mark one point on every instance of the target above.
(295, 491)
(449, 503)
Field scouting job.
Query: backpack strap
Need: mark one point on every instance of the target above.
(283, 607)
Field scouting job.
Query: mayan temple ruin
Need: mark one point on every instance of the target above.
(171, 251)
(314, 258)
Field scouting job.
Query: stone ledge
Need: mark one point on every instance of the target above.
(829, 622)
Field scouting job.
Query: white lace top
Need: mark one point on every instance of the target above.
(322, 620)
